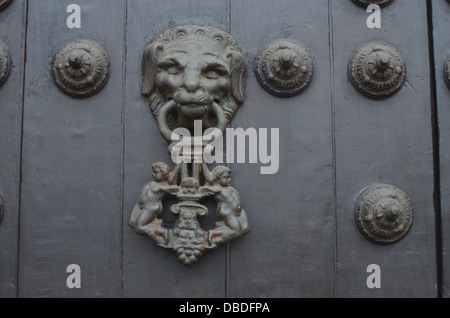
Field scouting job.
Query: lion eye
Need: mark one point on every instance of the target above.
(173, 70)
(211, 74)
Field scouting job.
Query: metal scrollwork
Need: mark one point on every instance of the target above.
(4, 4)
(377, 70)
(383, 214)
(5, 63)
(81, 68)
(191, 74)
(284, 68)
(366, 3)
(447, 71)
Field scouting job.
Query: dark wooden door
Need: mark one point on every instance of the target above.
(71, 169)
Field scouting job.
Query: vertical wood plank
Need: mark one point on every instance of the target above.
(387, 141)
(441, 25)
(72, 160)
(289, 251)
(12, 31)
(149, 270)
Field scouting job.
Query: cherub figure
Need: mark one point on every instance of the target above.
(228, 203)
(149, 204)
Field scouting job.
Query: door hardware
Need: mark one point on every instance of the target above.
(81, 68)
(383, 214)
(191, 73)
(377, 70)
(284, 68)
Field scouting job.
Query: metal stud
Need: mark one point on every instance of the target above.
(5, 63)
(4, 4)
(383, 214)
(284, 68)
(377, 70)
(366, 3)
(81, 68)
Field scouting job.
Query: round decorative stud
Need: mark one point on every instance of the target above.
(5, 63)
(4, 4)
(366, 3)
(284, 68)
(447, 71)
(81, 68)
(383, 214)
(377, 70)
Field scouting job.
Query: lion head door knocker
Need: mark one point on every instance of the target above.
(191, 74)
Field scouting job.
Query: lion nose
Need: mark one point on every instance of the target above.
(191, 83)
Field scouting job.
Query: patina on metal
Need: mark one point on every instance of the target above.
(191, 73)
(81, 68)
(447, 71)
(383, 213)
(366, 3)
(4, 4)
(5, 63)
(377, 70)
(284, 68)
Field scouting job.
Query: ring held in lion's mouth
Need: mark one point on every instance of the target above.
(193, 111)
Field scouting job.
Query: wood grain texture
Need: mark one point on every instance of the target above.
(441, 25)
(289, 251)
(149, 270)
(12, 27)
(387, 141)
(72, 160)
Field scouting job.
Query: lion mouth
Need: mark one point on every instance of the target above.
(199, 98)
(194, 111)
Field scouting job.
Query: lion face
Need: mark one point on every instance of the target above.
(194, 74)
(194, 67)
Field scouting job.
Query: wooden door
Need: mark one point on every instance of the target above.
(71, 169)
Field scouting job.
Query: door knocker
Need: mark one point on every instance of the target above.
(191, 74)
